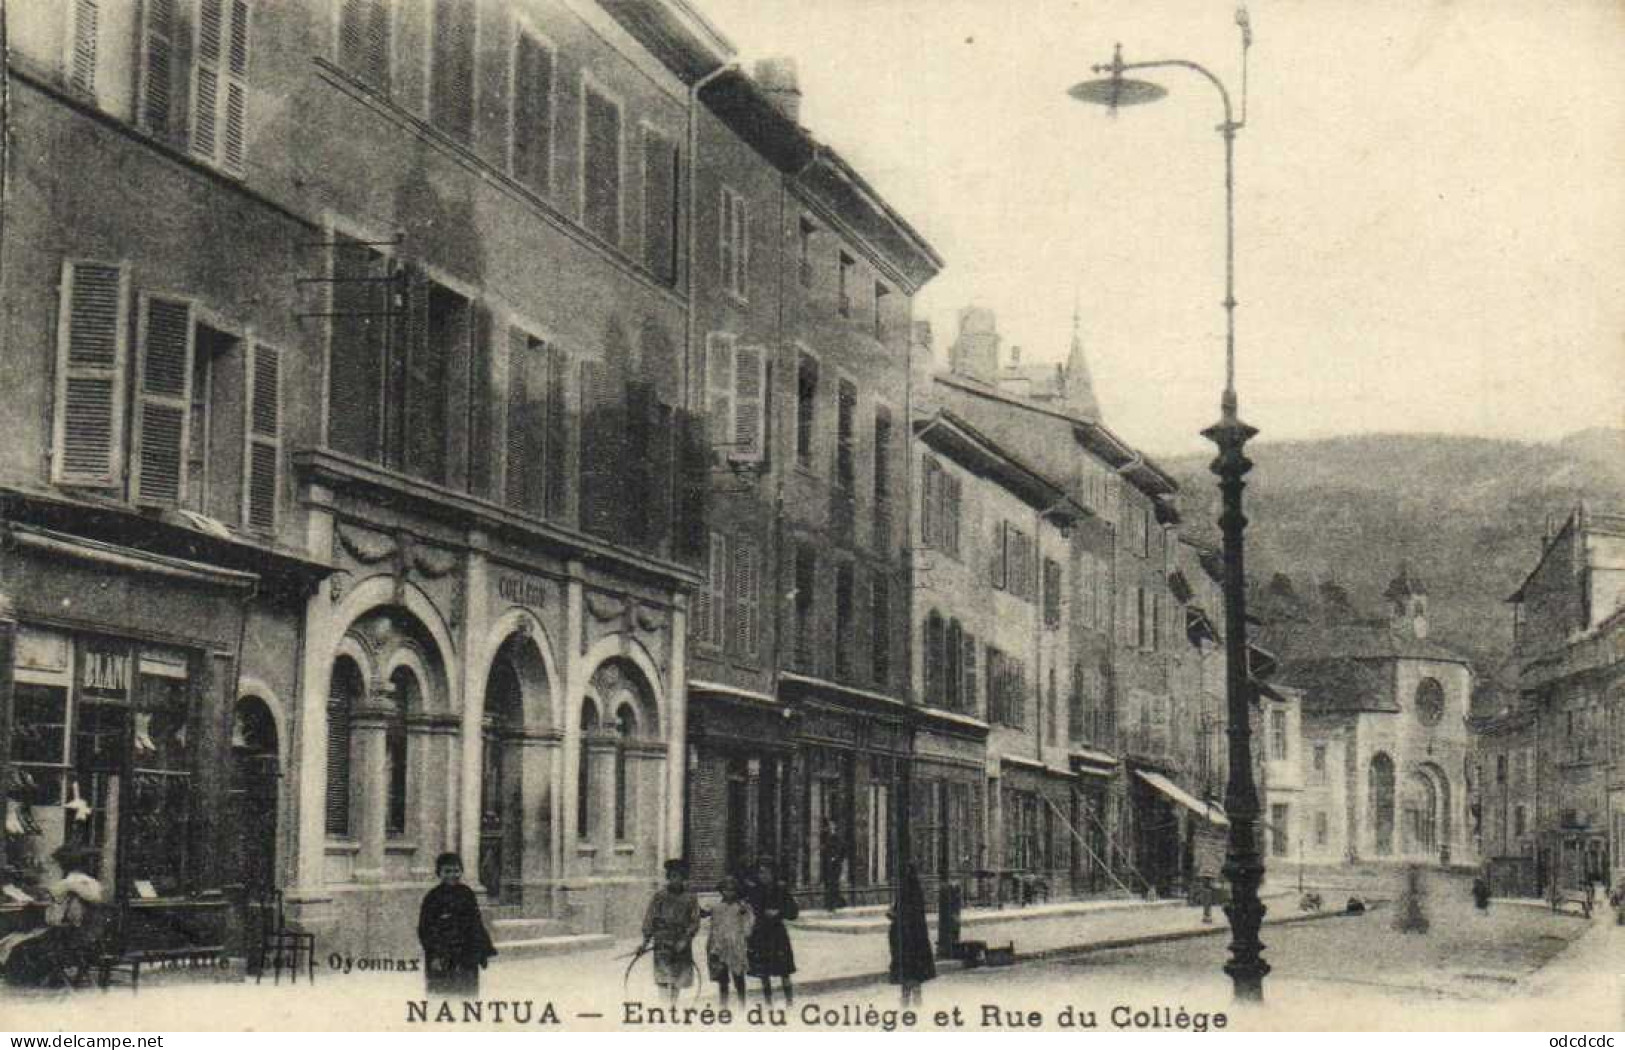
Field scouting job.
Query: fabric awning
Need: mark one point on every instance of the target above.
(1206, 810)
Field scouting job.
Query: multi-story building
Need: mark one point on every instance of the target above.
(349, 422)
(992, 786)
(1138, 692)
(1569, 642)
(804, 280)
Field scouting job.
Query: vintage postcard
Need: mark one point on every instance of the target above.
(825, 515)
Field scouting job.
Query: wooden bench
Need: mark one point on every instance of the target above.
(131, 962)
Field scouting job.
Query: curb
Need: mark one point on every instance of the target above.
(946, 966)
(991, 918)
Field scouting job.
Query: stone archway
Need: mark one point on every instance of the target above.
(519, 742)
(255, 789)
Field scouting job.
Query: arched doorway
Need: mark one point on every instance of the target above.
(255, 776)
(501, 777)
(1421, 807)
(1381, 794)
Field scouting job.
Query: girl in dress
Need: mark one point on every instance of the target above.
(727, 946)
(769, 951)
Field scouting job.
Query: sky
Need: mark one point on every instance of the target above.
(1430, 198)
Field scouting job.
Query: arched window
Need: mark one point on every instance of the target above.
(933, 658)
(404, 685)
(953, 672)
(1382, 802)
(1429, 702)
(589, 726)
(342, 695)
(626, 727)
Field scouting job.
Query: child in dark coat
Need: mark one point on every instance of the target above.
(455, 943)
(769, 949)
(912, 963)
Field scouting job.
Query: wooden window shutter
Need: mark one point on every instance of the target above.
(364, 41)
(711, 602)
(659, 207)
(533, 114)
(520, 452)
(262, 473)
(451, 78)
(700, 613)
(951, 515)
(725, 233)
(931, 477)
(602, 154)
(82, 68)
(968, 662)
(92, 360)
(163, 400)
(719, 384)
(156, 97)
(1001, 555)
(557, 466)
(603, 439)
(338, 765)
(750, 403)
(745, 583)
(220, 83)
(741, 217)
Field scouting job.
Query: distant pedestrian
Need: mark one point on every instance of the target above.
(456, 946)
(831, 857)
(669, 926)
(727, 946)
(770, 954)
(1481, 893)
(912, 963)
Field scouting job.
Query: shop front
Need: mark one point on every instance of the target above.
(848, 784)
(947, 803)
(739, 746)
(134, 749)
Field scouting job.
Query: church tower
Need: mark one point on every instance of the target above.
(1080, 387)
(1408, 599)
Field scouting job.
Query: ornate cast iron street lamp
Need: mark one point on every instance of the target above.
(1244, 865)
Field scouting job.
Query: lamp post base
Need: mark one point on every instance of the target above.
(1244, 863)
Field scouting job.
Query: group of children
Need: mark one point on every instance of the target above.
(747, 938)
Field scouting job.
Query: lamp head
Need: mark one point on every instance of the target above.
(1116, 90)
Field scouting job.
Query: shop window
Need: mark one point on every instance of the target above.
(103, 760)
(626, 729)
(584, 807)
(879, 796)
(451, 69)
(344, 693)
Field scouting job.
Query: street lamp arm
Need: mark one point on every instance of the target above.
(1117, 68)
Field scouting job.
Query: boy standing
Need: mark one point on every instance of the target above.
(669, 926)
(455, 943)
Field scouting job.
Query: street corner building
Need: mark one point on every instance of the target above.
(353, 494)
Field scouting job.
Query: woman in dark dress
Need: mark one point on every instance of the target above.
(768, 951)
(912, 963)
(455, 943)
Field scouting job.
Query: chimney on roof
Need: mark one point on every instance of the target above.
(778, 80)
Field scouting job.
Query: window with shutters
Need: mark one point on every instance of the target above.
(806, 594)
(806, 409)
(711, 601)
(733, 244)
(1017, 571)
(84, 44)
(364, 41)
(934, 659)
(220, 83)
(1076, 721)
(930, 483)
(601, 164)
(92, 365)
(363, 389)
(1052, 593)
(161, 434)
(949, 514)
(880, 628)
(881, 293)
(736, 398)
(805, 230)
(845, 625)
(844, 277)
(537, 445)
(953, 681)
(344, 692)
(846, 410)
(451, 69)
(882, 490)
(262, 474)
(531, 143)
(969, 701)
(660, 234)
(744, 569)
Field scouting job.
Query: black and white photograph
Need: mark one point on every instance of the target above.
(837, 516)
